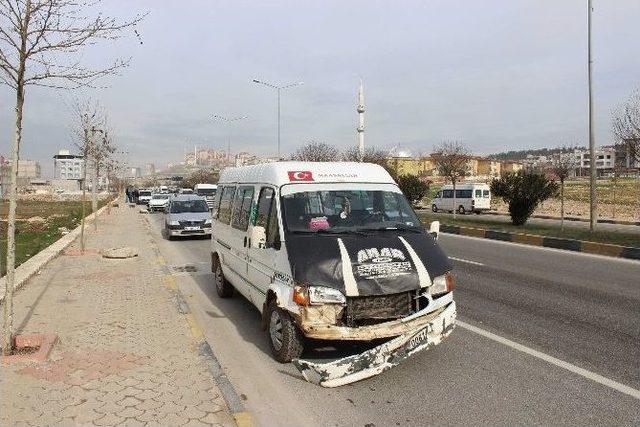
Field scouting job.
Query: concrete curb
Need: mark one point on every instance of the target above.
(572, 218)
(548, 242)
(30, 267)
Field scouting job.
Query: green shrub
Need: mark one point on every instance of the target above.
(523, 191)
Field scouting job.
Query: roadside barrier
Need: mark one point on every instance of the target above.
(545, 241)
(573, 218)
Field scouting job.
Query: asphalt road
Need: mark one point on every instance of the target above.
(581, 309)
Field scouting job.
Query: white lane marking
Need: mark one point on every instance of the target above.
(554, 361)
(466, 260)
(543, 248)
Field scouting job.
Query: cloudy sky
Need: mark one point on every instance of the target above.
(497, 75)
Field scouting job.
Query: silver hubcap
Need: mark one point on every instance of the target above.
(275, 330)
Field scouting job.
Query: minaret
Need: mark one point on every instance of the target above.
(360, 127)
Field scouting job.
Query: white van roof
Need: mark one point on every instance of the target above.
(206, 186)
(466, 186)
(280, 173)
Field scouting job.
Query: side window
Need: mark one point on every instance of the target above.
(224, 211)
(486, 193)
(216, 202)
(268, 217)
(463, 194)
(242, 208)
(447, 194)
(478, 193)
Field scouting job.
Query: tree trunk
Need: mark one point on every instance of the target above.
(7, 336)
(94, 195)
(562, 205)
(615, 182)
(84, 194)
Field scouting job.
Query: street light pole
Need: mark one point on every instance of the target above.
(278, 89)
(228, 121)
(593, 214)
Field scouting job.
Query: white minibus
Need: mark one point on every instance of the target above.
(468, 198)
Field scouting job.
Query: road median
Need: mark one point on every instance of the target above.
(546, 241)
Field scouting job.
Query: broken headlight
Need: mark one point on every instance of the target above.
(322, 295)
(442, 284)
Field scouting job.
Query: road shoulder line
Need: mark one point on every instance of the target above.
(629, 391)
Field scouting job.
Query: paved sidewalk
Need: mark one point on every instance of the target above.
(125, 355)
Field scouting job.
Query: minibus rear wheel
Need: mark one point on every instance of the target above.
(224, 289)
(286, 340)
(461, 210)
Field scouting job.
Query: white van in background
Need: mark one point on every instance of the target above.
(331, 251)
(475, 197)
(208, 191)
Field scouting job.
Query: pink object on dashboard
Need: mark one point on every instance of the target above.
(318, 223)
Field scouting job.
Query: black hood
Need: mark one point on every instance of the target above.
(380, 263)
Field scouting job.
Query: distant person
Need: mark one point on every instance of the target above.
(127, 192)
(136, 194)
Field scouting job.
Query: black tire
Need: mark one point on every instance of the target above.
(461, 210)
(167, 234)
(290, 344)
(224, 289)
(434, 208)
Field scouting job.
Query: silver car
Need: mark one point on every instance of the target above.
(187, 215)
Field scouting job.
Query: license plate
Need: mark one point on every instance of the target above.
(192, 228)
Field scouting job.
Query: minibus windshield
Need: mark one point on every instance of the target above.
(347, 210)
(189, 206)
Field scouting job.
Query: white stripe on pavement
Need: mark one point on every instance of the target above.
(465, 260)
(554, 361)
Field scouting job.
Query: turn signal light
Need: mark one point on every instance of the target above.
(301, 295)
(451, 281)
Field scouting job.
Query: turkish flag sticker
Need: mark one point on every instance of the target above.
(300, 176)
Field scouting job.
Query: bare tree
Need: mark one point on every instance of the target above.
(626, 125)
(40, 45)
(562, 165)
(452, 161)
(316, 152)
(100, 153)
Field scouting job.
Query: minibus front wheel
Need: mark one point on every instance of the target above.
(286, 340)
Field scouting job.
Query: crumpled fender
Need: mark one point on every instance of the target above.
(381, 358)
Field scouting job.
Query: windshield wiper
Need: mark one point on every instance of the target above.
(328, 232)
(397, 226)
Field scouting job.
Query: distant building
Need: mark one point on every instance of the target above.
(151, 169)
(67, 166)
(28, 170)
(135, 172)
(425, 166)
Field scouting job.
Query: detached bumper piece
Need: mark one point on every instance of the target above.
(381, 358)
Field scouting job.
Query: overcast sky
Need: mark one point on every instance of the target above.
(497, 75)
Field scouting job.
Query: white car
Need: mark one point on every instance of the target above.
(158, 202)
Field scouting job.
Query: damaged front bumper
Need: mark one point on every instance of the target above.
(421, 332)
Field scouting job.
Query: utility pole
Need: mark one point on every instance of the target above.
(278, 89)
(593, 214)
(229, 121)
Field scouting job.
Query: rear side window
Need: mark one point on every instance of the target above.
(268, 217)
(478, 193)
(485, 193)
(463, 194)
(242, 208)
(224, 211)
(447, 194)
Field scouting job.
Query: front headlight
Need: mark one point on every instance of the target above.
(207, 221)
(174, 223)
(442, 284)
(323, 295)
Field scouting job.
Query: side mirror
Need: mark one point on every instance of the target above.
(434, 229)
(258, 237)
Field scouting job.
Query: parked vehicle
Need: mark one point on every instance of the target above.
(159, 201)
(187, 215)
(144, 196)
(164, 189)
(469, 198)
(185, 191)
(331, 251)
(208, 191)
